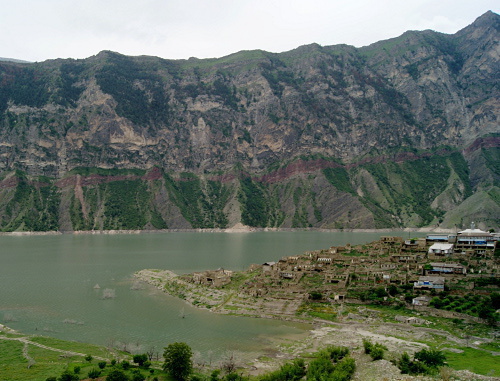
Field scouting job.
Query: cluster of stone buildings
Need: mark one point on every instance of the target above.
(427, 264)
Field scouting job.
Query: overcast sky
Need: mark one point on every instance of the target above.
(36, 30)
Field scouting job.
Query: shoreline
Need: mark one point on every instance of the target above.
(349, 331)
(220, 301)
(236, 229)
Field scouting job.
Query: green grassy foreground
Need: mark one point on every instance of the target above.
(22, 359)
(475, 360)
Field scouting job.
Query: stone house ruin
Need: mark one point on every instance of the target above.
(423, 300)
(214, 278)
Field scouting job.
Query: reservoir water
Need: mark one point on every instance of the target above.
(47, 286)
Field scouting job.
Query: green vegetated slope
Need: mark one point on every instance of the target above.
(101, 199)
(427, 188)
(492, 162)
(424, 189)
(415, 192)
(29, 204)
(201, 202)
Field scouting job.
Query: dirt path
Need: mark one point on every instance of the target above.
(26, 341)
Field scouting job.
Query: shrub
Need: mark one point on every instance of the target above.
(94, 373)
(367, 345)
(337, 353)
(318, 368)
(425, 361)
(376, 351)
(232, 377)
(393, 290)
(324, 369)
(67, 376)
(117, 375)
(101, 364)
(436, 302)
(293, 371)
(315, 295)
(214, 376)
(137, 376)
(417, 367)
(431, 357)
(404, 363)
(140, 359)
(344, 370)
(380, 292)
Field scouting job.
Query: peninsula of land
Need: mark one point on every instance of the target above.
(439, 290)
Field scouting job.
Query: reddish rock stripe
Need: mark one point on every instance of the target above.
(71, 181)
(486, 142)
(295, 168)
(11, 182)
(154, 174)
(301, 166)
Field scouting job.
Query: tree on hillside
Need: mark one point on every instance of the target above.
(68, 376)
(93, 374)
(117, 375)
(426, 361)
(178, 362)
(140, 359)
(431, 357)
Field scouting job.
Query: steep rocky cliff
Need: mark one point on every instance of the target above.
(403, 132)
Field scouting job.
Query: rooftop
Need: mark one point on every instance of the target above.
(474, 232)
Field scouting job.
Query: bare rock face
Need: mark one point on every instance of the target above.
(365, 130)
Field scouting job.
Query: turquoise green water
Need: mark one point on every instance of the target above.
(47, 286)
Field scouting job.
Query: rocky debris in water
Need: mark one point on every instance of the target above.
(8, 317)
(108, 293)
(136, 285)
(72, 321)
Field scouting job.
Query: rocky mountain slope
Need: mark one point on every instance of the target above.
(403, 132)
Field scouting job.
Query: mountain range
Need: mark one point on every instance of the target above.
(400, 133)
